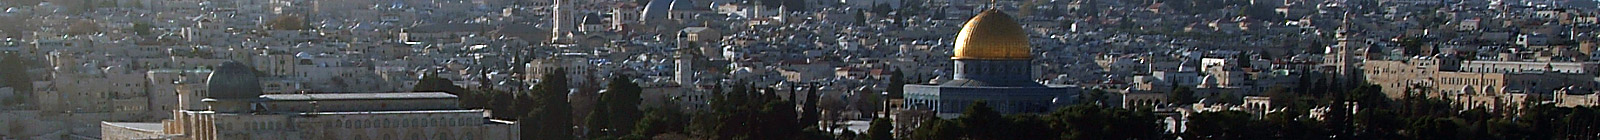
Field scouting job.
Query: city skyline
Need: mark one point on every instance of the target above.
(799, 69)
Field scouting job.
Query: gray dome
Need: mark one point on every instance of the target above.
(593, 18)
(233, 80)
(656, 10)
(683, 5)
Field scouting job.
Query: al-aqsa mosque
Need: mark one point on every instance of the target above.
(232, 106)
(993, 63)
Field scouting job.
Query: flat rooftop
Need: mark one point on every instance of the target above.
(141, 126)
(394, 112)
(358, 96)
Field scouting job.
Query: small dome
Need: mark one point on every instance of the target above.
(303, 55)
(741, 71)
(233, 80)
(992, 35)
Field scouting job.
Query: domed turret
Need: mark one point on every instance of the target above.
(992, 35)
(233, 81)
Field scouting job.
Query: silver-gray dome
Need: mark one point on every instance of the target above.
(656, 10)
(683, 5)
(593, 18)
(233, 80)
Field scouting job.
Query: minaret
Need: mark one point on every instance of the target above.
(684, 71)
(563, 21)
(687, 53)
(1349, 41)
(1345, 51)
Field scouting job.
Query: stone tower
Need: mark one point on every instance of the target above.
(563, 21)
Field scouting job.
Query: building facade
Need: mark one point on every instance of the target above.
(1474, 84)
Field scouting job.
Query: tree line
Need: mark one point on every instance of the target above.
(745, 111)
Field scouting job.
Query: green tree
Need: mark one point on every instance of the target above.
(880, 129)
(14, 73)
(937, 129)
(1096, 122)
(981, 121)
(1413, 45)
(598, 124)
(881, 9)
(1289, 124)
(16, 127)
(434, 83)
(288, 22)
(1081, 122)
(1095, 97)
(811, 115)
(1218, 125)
(1377, 124)
(550, 115)
(141, 28)
(1281, 96)
(861, 17)
(745, 112)
(749, 113)
(1433, 128)
(83, 27)
(661, 120)
(795, 4)
(620, 101)
(777, 118)
(1242, 59)
(1262, 12)
(1030, 127)
(897, 83)
(869, 101)
(502, 104)
(1181, 95)
(1369, 96)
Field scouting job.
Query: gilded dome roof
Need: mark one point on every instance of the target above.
(992, 35)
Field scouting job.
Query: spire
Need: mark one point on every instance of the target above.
(994, 4)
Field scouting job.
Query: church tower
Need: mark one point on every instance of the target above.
(563, 21)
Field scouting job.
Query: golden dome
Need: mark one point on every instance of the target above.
(992, 35)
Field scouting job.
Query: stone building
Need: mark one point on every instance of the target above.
(1472, 85)
(233, 108)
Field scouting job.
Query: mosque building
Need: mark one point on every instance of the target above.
(233, 108)
(993, 64)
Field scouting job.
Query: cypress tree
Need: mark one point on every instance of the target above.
(550, 115)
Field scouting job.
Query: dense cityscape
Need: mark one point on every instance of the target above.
(799, 69)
